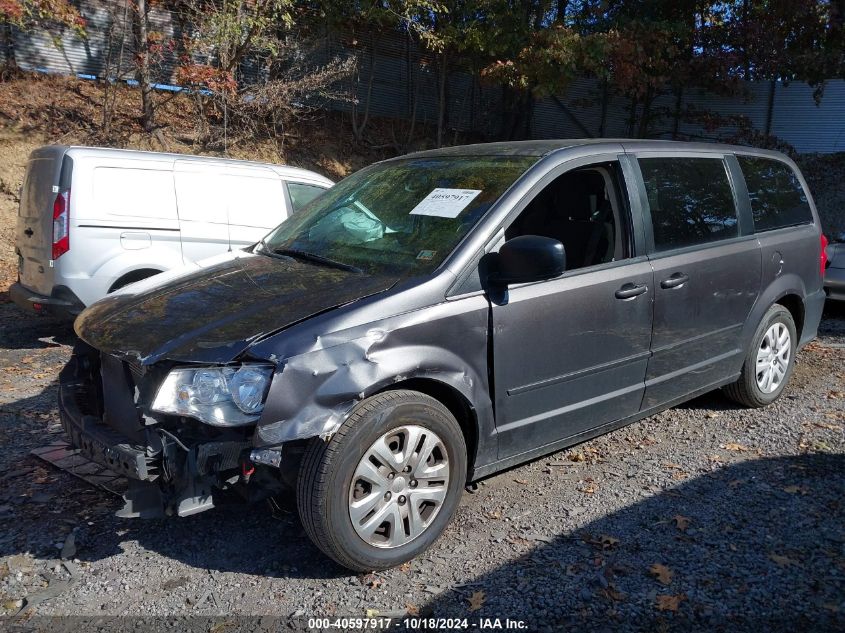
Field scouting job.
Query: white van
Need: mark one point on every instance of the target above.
(92, 220)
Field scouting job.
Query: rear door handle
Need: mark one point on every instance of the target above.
(629, 291)
(675, 281)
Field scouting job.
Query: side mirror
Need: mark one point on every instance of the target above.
(529, 258)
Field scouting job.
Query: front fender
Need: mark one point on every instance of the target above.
(314, 392)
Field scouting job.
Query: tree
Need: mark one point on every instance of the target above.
(288, 77)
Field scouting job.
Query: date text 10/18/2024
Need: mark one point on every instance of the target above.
(416, 624)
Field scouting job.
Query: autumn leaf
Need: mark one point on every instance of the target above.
(681, 522)
(794, 490)
(669, 603)
(782, 561)
(371, 580)
(521, 481)
(476, 600)
(614, 594)
(672, 465)
(405, 567)
(733, 446)
(411, 609)
(372, 613)
(662, 573)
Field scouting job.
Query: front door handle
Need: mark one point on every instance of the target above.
(29, 232)
(629, 291)
(675, 281)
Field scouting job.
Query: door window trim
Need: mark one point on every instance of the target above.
(634, 212)
(737, 186)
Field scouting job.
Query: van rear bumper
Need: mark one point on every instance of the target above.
(62, 302)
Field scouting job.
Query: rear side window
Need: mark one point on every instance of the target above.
(301, 194)
(777, 197)
(690, 199)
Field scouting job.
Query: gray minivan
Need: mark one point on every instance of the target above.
(439, 317)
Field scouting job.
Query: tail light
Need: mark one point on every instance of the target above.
(61, 224)
(823, 259)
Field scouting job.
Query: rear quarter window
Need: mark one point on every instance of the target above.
(777, 197)
(690, 199)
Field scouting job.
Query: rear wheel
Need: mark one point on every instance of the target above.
(769, 363)
(387, 483)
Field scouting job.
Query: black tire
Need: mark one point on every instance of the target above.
(326, 472)
(745, 390)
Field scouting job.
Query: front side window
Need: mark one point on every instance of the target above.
(586, 211)
(690, 199)
(777, 197)
(399, 217)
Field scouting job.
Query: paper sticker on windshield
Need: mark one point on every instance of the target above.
(445, 203)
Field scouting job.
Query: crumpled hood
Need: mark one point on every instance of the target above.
(214, 314)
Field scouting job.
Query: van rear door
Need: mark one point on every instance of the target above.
(201, 199)
(35, 218)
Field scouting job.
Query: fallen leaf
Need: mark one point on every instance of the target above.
(672, 465)
(607, 541)
(712, 414)
(372, 613)
(588, 489)
(681, 522)
(521, 481)
(614, 594)
(679, 475)
(477, 600)
(371, 580)
(662, 573)
(411, 609)
(783, 561)
(733, 446)
(830, 427)
(406, 567)
(793, 490)
(576, 457)
(669, 603)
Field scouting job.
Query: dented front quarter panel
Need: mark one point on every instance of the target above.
(327, 365)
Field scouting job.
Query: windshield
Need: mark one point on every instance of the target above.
(403, 216)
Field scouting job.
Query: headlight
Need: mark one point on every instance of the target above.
(221, 396)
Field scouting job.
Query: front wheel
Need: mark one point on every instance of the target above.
(769, 363)
(387, 483)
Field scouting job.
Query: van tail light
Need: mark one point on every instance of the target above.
(61, 224)
(823, 259)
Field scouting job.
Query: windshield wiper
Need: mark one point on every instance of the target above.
(311, 257)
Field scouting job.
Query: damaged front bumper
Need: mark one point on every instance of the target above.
(175, 466)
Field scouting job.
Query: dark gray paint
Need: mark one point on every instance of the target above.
(568, 359)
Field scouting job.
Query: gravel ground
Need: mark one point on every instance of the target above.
(706, 516)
